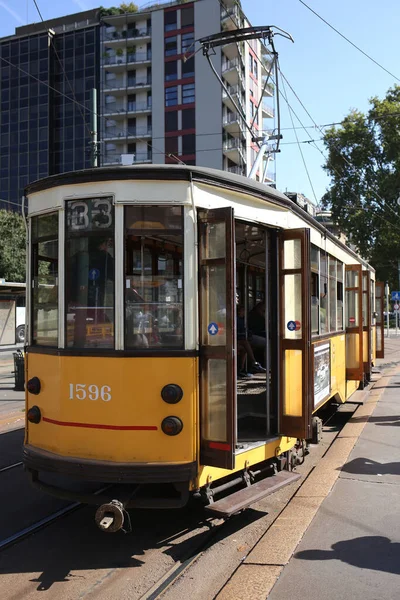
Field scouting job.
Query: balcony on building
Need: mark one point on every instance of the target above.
(268, 90)
(118, 133)
(114, 109)
(231, 71)
(236, 170)
(140, 83)
(231, 18)
(119, 62)
(234, 50)
(116, 158)
(234, 150)
(139, 107)
(233, 124)
(267, 111)
(119, 39)
(236, 92)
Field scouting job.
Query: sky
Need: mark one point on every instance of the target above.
(329, 76)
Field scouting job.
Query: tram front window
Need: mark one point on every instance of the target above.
(153, 277)
(89, 278)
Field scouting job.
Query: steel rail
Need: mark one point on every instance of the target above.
(39, 525)
(18, 464)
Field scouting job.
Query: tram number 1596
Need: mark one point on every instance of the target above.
(83, 391)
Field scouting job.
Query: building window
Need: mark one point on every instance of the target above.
(171, 70)
(171, 46)
(187, 16)
(187, 42)
(170, 22)
(188, 119)
(153, 277)
(255, 69)
(188, 95)
(188, 68)
(45, 280)
(171, 96)
(89, 274)
(171, 145)
(189, 144)
(171, 120)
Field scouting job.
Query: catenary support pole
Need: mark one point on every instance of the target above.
(387, 308)
(93, 128)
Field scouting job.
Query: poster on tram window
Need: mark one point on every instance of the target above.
(322, 372)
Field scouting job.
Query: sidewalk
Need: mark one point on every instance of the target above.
(12, 403)
(339, 536)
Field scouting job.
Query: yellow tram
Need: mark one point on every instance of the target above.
(141, 365)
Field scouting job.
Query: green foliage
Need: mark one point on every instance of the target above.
(12, 246)
(128, 8)
(118, 10)
(364, 164)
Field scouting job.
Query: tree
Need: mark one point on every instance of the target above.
(12, 246)
(364, 165)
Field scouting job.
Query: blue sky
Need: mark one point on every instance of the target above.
(329, 75)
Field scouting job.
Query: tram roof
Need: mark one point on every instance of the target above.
(179, 172)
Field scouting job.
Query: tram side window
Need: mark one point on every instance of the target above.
(89, 273)
(332, 268)
(45, 280)
(314, 290)
(339, 296)
(153, 277)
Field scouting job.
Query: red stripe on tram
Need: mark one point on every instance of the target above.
(98, 426)
(219, 446)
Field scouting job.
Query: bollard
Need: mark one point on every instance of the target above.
(19, 371)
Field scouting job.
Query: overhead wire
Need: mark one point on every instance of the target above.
(335, 146)
(298, 143)
(348, 40)
(48, 86)
(63, 69)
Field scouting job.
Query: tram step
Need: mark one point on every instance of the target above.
(243, 498)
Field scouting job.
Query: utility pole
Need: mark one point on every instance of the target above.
(387, 307)
(93, 129)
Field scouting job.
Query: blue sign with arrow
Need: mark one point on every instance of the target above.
(94, 274)
(212, 329)
(395, 295)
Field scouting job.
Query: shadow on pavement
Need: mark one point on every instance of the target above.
(75, 544)
(386, 421)
(366, 466)
(370, 552)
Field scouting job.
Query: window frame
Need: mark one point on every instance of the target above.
(30, 297)
(153, 350)
(90, 349)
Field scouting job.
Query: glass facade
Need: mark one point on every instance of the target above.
(42, 132)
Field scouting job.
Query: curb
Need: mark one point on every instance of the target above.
(257, 575)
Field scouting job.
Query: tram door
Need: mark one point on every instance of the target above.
(380, 321)
(217, 337)
(295, 334)
(354, 323)
(367, 323)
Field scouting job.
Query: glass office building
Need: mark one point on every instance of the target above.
(43, 77)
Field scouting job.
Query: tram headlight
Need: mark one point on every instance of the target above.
(172, 393)
(34, 415)
(172, 425)
(33, 386)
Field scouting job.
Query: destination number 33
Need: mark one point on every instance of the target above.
(84, 391)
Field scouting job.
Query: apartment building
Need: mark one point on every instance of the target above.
(158, 99)
(161, 101)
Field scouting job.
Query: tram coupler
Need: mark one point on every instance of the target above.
(112, 517)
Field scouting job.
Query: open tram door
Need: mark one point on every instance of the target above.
(296, 383)
(217, 337)
(354, 324)
(367, 323)
(380, 319)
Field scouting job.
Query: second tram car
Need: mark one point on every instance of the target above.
(185, 325)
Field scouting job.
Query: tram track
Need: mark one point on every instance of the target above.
(171, 577)
(9, 467)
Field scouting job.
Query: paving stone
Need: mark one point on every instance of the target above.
(250, 582)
